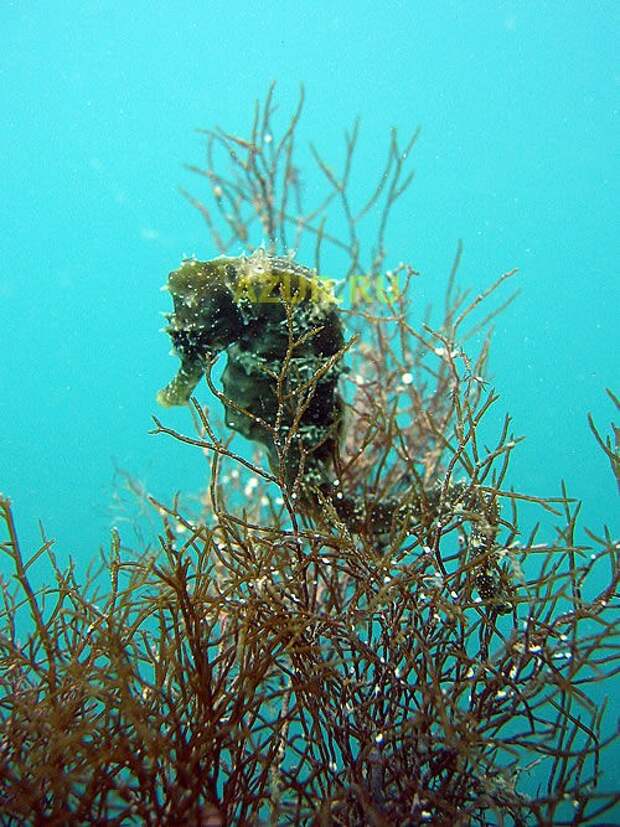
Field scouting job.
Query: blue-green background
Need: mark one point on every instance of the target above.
(519, 107)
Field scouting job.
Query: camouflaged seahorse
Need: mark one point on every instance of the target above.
(252, 307)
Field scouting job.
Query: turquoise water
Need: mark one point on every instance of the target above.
(518, 156)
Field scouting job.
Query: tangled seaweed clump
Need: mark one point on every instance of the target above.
(366, 630)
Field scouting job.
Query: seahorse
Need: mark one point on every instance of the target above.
(279, 324)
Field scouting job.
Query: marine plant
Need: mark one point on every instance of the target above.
(371, 628)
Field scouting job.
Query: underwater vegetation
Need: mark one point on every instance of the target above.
(365, 622)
